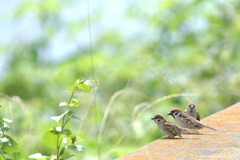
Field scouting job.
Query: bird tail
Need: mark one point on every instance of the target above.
(210, 128)
(188, 131)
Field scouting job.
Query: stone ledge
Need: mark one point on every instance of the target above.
(221, 144)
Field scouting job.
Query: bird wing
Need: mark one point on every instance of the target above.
(191, 121)
(172, 128)
(198, 116)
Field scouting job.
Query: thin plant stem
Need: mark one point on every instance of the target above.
(103, 123)
(63, 122)
(63, 125)
(107, 111)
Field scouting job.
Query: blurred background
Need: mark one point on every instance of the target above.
(139, 51)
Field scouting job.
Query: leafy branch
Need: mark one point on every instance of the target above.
(7, 143)
(61, 137)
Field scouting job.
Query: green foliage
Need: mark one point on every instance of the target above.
(61, 137)
(141, 52)
(85, 85)
(52, 138)
(7, 144)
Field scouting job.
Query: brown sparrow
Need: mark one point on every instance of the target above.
(168, 128)
(186, 121)
(191, 111)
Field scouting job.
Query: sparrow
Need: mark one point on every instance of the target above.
(168, 128)
(186, 121)
(191, 111)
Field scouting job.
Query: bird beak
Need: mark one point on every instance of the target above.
(170, 113)
(152, 118)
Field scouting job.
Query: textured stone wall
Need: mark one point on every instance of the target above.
(221, 144)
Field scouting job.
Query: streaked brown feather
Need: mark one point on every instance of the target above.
(198, 116)
(172, 128)
(192, 121)
(158, 116)
(176, 109)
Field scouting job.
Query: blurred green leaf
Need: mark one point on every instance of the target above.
(70, 89)
(75, 147)
(66, 132)
(55, 130)
(74, 102)
(75, 117)
(10, 146)
(62, 151)
(7, 120)
(38, 156)
(62, 104)
(52, 139)
(58, 118)
(85, 85)
(4, 126)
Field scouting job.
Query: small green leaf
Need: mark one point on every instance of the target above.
(4, 126)
(62, 151)
(7, 120)
(51, 138)
(75, 147)
(4, 139)
(85, 87)
(74, 102)
(61, 104)
(76, 117)
(73, 138)
(70, 114)
(94, 83)
(58, 118)
(70, 89)
(37, 156)
(66, 132)
(56, 130)
(10, 146)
